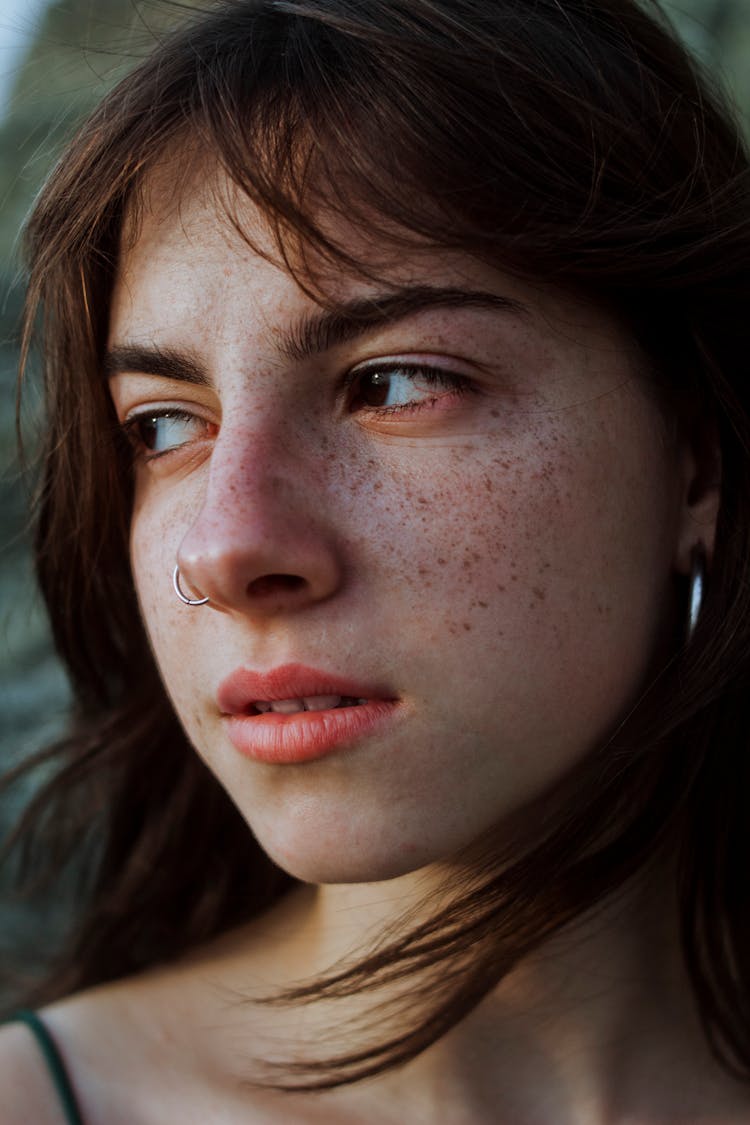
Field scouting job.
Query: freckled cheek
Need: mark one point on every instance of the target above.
(171, 633)
(460, 537)
(153, 545)
(477, 547)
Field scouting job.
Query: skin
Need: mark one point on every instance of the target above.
(496, 559)
(503, 560)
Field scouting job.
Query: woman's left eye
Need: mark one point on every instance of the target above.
(401, 386)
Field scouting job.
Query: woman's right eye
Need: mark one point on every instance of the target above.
(153, 433)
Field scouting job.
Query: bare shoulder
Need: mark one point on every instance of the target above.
(92, 1037)
(27, 1095)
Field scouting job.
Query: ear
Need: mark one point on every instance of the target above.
(701, 492)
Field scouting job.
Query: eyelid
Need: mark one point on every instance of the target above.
(160, 403)
(132, 391)
(147, 410)
(170, 411)
(425, 361)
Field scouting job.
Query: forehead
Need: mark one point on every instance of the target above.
(197, 249)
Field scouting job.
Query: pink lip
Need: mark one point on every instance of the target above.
(305, 735)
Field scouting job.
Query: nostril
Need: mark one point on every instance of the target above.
(275, 584)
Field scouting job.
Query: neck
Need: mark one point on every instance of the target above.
(596, 1025)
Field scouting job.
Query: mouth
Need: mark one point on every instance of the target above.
(294, 688)
(296, 714)
(311, 703)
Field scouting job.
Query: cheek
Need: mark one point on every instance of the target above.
(550, 555)
(154, 538)
(469, 530)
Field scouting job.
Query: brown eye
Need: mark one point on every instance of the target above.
(162, 431)
(374, 388)
(402, 386)
(147, 431)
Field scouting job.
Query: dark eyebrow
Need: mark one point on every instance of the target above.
(320, 332)
(316, 333)
(166, 362)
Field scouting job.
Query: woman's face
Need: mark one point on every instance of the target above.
(449, 530)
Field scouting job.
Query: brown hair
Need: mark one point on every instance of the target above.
(565, 140)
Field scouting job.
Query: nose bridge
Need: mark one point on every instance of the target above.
(260, 540)
(254, 466)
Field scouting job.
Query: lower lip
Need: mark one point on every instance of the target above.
(306, 735)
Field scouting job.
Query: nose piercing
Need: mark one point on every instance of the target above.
(180, 594)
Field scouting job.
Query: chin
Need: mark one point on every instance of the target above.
(326, 861)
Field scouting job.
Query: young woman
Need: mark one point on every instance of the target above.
(395, 532)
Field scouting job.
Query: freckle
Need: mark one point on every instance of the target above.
(377, 485)
(538, 593)
(495, 413)
(422, 500)
(467, 626)
(441, 562)
(422, 571)
(482, 604)
(501, 589)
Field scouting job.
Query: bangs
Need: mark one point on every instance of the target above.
(411, 131)
(323, 133)
(518, 136)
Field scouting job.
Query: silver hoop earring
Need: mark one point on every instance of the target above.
(697, 586)
(178, 590)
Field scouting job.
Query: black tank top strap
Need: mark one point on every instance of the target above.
(55, 1064)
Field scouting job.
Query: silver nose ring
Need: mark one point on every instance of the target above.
(178, 590)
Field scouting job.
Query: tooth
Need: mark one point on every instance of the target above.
(321, 702)
(262, 706)
(287, 706)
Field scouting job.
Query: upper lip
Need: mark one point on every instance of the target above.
(243, 687)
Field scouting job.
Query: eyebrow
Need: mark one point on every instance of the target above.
(169, 363)
(316, 333)
(320, 332)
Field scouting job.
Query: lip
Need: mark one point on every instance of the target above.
(305, 735)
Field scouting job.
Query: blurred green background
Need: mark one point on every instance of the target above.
(57, 57)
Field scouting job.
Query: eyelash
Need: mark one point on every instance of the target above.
(452, 382)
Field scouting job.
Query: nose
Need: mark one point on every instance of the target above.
(260, 544)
